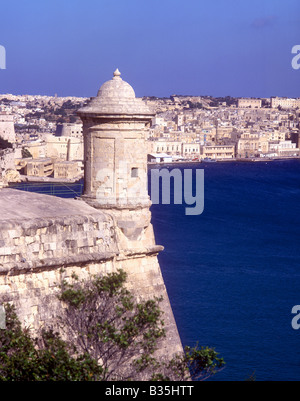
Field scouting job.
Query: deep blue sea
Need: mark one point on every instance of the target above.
(233, 272)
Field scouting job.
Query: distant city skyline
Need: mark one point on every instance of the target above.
(195, 47)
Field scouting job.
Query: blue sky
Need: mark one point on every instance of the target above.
(162, 47)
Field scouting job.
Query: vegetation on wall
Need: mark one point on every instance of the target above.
(110, 336)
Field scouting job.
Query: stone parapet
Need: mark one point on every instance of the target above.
(44, 240)
(38, 243)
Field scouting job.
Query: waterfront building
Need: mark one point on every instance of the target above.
(191, 150)
(263, 145)
(248, 145)
(218, 152)
(164, 146)
(284, 148)
(159, 158)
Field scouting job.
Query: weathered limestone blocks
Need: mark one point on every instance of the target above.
(39, 248)
(34, 293)
(36, 243)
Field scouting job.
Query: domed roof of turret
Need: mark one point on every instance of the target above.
(116, 88)
(116, 97)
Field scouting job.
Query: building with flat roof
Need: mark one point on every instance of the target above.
(249, 103)
(218, 152)
(248, 145)
(285, 102)
(42, 167)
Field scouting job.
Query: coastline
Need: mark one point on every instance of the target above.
(33, 179)
(237, 160)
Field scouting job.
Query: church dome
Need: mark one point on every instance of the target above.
(116, 97)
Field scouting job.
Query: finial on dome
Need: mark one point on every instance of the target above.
(117, 73)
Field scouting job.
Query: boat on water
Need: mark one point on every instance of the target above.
(208, 159)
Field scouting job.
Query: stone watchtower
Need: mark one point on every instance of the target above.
(115, 124)
(115, 153)
(108, 228)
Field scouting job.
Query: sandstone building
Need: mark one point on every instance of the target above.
(7, 129)
(108, 228)
(285, 102)
(69, 129)
(218, 152)
(249, 102)
(66, 148)
(248, 145)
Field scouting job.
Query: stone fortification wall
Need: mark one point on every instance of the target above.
(38, 250)
(35, 243)
(34, 293)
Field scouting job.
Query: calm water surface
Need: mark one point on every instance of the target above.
(233, 272)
